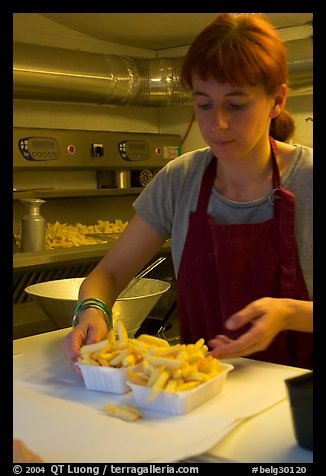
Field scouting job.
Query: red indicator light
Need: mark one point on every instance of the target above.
(71, 149)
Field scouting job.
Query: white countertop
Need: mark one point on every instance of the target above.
(262, 431)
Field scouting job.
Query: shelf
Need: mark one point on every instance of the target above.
(64, 255)
(50, 193)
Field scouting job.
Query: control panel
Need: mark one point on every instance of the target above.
(60, 149)
(134, 150)
(39, 148)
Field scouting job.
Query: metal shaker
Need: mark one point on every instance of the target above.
(32, 231)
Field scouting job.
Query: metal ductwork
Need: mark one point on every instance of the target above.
(300, 73)
(55, 74)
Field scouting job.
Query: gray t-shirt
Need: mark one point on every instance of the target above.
(168, 199)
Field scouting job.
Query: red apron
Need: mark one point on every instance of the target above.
(225, 267)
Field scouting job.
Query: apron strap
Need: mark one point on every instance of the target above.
(206, 186)
(284, 214)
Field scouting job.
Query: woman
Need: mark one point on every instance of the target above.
(239, 212)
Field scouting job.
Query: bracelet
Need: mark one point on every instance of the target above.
(75, 320)
(95, 300)
(95, 303)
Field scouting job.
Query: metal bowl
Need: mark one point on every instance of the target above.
(58, 299)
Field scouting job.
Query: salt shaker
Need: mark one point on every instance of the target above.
(32, 233)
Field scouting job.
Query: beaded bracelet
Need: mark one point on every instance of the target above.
(95, 303)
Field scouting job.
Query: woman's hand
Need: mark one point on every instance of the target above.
(91, 329)
(268, 317)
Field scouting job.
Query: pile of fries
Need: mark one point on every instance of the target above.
(164, 367)
(116, 351)
(63, 235)
(172, 368)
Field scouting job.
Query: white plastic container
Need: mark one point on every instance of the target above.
(179, 403)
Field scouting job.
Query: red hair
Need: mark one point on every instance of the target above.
(241, 49)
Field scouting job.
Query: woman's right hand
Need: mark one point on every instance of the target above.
(92, 328)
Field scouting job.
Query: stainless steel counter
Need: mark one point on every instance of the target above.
(86, 252)
(35, 258)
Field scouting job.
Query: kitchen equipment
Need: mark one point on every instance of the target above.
(58, 299)
(32, 234)
(112, 154)
(143, 273)
(85, 176)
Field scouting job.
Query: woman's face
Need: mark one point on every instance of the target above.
(233, 120)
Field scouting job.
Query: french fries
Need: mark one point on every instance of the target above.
(153, 341)
(111, 352)
(89, 348)
(172, 368)
(125, 411)
(64, 235)
(177, 368)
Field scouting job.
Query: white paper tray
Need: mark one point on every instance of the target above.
(106, 379)
(179, 403)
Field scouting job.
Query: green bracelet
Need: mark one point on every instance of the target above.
(95, 300)
(95, 303)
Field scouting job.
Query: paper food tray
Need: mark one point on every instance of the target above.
(106, 379)
(180, 403)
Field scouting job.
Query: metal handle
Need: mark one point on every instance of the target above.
(141, 275)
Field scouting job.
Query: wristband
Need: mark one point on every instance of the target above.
(95, 303)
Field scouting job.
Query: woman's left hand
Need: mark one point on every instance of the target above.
(267, 316)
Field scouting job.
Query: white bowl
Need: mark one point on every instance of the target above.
(58, 299)
(179, 403)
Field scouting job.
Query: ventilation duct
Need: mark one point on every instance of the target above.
(300, 75)
(43, 73)
(56, 74)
